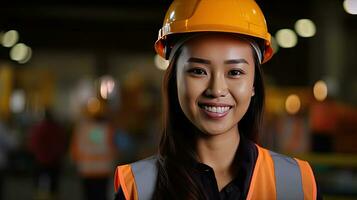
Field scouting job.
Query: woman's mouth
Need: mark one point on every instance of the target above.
(215, 111)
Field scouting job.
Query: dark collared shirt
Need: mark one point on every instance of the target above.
(238, 188)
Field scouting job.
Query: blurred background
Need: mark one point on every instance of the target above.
(80, 92)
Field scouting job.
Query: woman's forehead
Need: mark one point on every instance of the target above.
(218, 46)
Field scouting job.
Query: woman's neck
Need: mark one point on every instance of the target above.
(218, 152)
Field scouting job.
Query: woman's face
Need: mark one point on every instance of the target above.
(215, 76)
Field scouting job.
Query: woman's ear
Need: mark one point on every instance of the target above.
(253, 91)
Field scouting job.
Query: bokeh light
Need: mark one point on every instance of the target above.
(28, 56)
(107, 85)
(17, 101)
(305, 28)
(286, 38)
(292, 104)
(19, 52)
(350, 6)
(320, 90)
(10, 38)
(93, 105)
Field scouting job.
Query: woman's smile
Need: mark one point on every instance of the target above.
(214, 110)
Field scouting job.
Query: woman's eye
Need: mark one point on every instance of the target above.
(235, 73)
(197, 71)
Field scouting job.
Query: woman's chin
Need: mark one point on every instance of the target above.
(215, 130)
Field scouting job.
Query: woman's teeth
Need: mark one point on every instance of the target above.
(216, 109)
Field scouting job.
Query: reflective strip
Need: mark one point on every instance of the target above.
(287, 178)
(145, 174)
(308, 180)
(125, 180)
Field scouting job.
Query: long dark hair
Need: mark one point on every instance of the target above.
(176, 150)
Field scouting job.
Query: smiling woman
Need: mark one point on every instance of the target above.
(213, 96)
(215, 75)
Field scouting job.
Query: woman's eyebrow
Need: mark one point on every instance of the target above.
(236, 61)
(199, 60)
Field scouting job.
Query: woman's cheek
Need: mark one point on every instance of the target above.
(193, 88)
(239, 89)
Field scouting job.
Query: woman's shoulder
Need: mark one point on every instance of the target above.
(287, 169)
(138, 177)
(267, 155)
(135, 169)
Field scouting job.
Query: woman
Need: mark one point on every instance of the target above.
(213, 100)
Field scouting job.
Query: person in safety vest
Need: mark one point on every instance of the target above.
(93, 151)
(213, 96)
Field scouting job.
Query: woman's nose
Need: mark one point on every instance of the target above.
(217, 87)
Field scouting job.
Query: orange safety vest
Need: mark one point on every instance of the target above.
(275, 176)
(92, 150)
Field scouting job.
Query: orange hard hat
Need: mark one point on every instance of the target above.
(242, 17)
